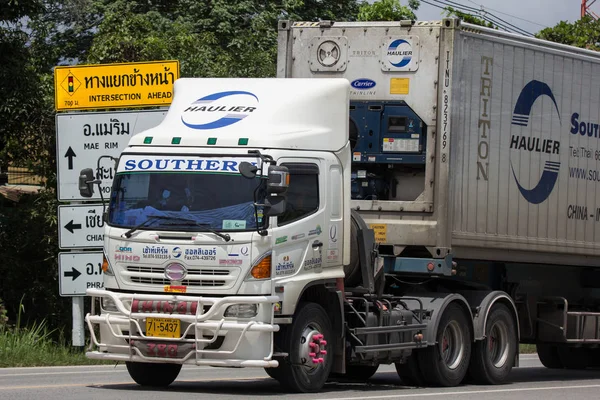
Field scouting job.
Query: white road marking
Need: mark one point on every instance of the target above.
(399, 396)
(119, 370)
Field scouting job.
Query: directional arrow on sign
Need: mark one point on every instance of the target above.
(70, 154)
(74, 274)
(71, 226)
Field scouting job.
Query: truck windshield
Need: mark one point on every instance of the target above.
(214, 200)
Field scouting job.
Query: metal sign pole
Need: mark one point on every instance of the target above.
(78, 328)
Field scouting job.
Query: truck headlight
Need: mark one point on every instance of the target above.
(242, 311)
(108, 304)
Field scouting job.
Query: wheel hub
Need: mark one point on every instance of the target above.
(312, 348)
(498, 344)
(452, 347)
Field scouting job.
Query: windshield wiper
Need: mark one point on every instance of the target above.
(151, 218)
(191, 222)
(188, 221)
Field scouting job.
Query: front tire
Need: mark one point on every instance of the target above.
(308, 342)
(492, 358)
(151, 374)
(448, 360)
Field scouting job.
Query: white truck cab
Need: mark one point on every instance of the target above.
(219, 219)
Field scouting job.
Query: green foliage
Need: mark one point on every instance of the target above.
(13, 10)
(452, 12)
(583, 33)
(387, 10)
(34, 346)
(29, 269)
(3, 316)
(214, 38)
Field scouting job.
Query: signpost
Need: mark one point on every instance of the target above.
(80, 87)
(80, 226)
(83, 137)
(79, 271)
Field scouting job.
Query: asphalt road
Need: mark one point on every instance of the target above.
(530, 381)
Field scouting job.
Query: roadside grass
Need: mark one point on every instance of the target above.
(34, 347)
(527, 349)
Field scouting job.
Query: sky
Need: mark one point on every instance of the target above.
(529, 15)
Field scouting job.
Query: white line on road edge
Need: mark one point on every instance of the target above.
(399, 396)
(76, 372)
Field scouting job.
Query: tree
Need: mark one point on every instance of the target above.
(209, 38)
(452, 12)
(387, 10)
(583, 33)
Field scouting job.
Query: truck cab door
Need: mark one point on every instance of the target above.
(300, 236)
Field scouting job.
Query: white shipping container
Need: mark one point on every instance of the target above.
(511, 169)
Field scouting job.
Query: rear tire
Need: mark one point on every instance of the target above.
(309, 337)
(574, 357)
(492, 358)
(548, 355)
(360, 372)
(410, 372)
(151, 374)
(448, 360)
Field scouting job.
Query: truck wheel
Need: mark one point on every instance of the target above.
(548, 355)
(409, 372)
(151, 374)
(360, 372)
(448, 360)
(492, 358)
(307, 341)
(574, 357)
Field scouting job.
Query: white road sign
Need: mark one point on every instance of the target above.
(80, 226)
(81, 138)
(79, 271)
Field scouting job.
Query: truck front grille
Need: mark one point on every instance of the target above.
(196, 277)
(185, 282)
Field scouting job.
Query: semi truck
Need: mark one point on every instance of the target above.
(423, 194)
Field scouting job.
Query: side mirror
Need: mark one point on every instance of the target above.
(279, 180)
(248, 170)
(274, 206)
(86, 182)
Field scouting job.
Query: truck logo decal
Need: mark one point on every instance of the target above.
(176, 252)
(363, 84)
(333, 233)
(530, 93)
(219, 110)
(399, 53)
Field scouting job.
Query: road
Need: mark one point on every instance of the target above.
(530, 381)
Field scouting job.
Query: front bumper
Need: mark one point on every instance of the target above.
(206, 337)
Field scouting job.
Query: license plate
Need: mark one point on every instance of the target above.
(163, 327)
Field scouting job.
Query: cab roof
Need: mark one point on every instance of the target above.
(290, 113)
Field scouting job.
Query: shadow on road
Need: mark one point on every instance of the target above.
(381, 382)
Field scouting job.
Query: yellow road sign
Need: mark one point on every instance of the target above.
(80, 87)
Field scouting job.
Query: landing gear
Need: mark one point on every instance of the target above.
(307, 341)
(153, 375)
(492, 358)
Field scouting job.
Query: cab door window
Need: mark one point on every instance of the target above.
(302, 194)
